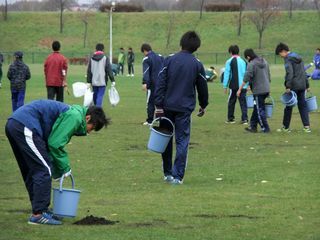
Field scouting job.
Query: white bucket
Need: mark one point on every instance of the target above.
(79, 89)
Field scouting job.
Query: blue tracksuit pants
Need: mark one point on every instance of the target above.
(33, 160)
(17, 99)
(259, 113)
(181, 121)
(98, 94)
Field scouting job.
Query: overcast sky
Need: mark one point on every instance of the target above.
(79, 1)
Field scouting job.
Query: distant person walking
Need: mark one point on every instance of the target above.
(1, 73)
(234, 71)
(130, 61)
(98, 71)
(121, 60)
(297, 81)
(258, 76)
(151, 66)
(55, 71)
(18, 74)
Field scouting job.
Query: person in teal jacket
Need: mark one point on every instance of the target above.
(38, 133)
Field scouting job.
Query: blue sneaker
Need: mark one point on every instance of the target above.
(176, 181)
(55, 217)
(44, 218)
(168, 178)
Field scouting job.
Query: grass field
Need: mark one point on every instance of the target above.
(270, 186)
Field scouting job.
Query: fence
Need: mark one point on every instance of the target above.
(209, 58)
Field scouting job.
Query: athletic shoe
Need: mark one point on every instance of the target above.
(0, 85)
(230, 121)
(132, 75)
(168, 178)
(44, 218)
(252, 130)
(307, 130)
(283, 129)
(176, 181)
(244, 122)
(55, 217)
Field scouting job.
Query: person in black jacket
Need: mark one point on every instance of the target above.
(175, 98)
(297, 81)
(130, 61)
(18, 74)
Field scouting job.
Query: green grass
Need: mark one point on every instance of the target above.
(121, 180)
(34, 32)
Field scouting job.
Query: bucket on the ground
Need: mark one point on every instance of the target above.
(250, 102)
(79, 89)
(65, 201)
(289, 99)
(269, 107)
(312, 103)
(160, 137)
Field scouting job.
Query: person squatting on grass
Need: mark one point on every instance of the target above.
(55, 71)
(295, 80)
(98, 71)
(37, 133)
(18, 74)
(234, 71)
(151, 65)
(258, 77)
(175, 98)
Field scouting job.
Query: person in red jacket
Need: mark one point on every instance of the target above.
(55, 71)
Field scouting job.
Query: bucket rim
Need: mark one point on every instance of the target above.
(67, 190)
(161, 133)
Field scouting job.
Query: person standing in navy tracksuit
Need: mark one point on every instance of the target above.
(151, 66)
(175, 98)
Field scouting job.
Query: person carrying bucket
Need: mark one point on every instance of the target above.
(295, 80)
(258, 76)
(37, 133)
(175, 98)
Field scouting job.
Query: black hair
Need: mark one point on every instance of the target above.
(234, 49)
(190, 41)
(98, 118)
(318, 49)
(121, 48)
(146, 47)
(56, 46)
(250, 53)
(281, 47)
(100, 47)
(130, 48)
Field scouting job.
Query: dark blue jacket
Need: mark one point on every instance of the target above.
(151, 66)
(18, 74)
(175, 89)
(40, 115)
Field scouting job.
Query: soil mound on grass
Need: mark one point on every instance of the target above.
(92, 220)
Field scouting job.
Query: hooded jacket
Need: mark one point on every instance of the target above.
(258, 76)
(295, 78)
(99, 69)
(18, 74)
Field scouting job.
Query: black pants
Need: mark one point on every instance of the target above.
(259, 113)
(34, 163)
(232, 102)
(150, 106)
(130, 68)
(121, 67)
(302, 106)
(55, 92)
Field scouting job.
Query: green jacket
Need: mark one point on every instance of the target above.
(121, 58)
(69, 123)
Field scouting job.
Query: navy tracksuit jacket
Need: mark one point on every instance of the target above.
(175, 92)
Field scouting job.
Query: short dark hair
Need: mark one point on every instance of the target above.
(130, 48)
(56, 46)
(99, 47)
(190, 41)
(318, 49)
(234, 49)
(146, 47)
(98, 118)
(281, 47)
(250, 53)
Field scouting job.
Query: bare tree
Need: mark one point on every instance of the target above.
(241, 7)
(201, 8)
(62, 7)
(5, 11)
(317, 4)
(265, 12)
(170, 29)
(290, 8)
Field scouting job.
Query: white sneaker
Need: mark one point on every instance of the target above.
(128, 75)
(176, 181)
(168, 178)
(132, 75)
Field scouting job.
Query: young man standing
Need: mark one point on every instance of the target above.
(121, 60)
(175, 98)
(235, 69)
(98, 72)
(37, 133)
(130, 61)
(55, 71)
(18, 74)
(297, 81)
(258, 76)
(151, 66)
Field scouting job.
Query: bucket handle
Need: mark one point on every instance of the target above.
(308, 94)
(61, 181)
(160, 118)
(272, 100)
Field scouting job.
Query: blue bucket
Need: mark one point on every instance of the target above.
(249, 99)
(312, 103)
(269, 107)
(65, 201)
(159, 138)
(289, 99)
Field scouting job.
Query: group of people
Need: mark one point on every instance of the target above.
(122, 57)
